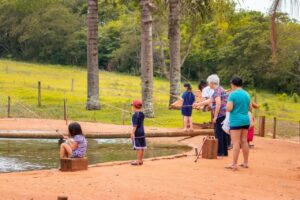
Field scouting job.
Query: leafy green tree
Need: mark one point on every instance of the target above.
(247, 53)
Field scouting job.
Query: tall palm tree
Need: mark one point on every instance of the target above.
(147, 57)
(196, 9)
(93, 102)
(174, 46)
(294, 4)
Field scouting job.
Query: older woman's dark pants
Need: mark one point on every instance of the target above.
(222, 137)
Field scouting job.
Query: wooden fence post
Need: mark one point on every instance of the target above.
(62, 198)
(274, 127)
(262, 126)
(72, 85)
(8, 107)
(39, 94)
(65, 110)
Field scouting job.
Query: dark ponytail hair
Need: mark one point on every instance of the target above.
(202, 85)
(237, 81)
(75, 129)
(188, 86)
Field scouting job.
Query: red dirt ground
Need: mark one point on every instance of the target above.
(53, 125)
(274, 174)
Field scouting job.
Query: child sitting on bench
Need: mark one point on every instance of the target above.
(75, 144)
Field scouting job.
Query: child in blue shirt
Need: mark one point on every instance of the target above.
(187, 107)
(138, 132)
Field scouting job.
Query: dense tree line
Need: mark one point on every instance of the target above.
(223, 41)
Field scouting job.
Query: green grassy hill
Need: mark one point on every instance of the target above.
(19, 80)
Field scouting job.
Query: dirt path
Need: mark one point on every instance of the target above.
(274, 174)
(53, 125)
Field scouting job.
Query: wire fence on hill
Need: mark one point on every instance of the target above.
(119, 115)
(111, 112)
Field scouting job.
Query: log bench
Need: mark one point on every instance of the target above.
(73, 164)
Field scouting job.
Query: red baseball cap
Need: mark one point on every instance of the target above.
(137, 103)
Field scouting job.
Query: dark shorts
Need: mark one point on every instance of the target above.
(187, 111)
(239, 127)
(139, 143)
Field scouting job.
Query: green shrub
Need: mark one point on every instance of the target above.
(266, 106)
(282, 97)
(295, 98)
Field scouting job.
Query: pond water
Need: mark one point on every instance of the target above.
(35, 154)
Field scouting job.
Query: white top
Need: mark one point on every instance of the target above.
(207, 92)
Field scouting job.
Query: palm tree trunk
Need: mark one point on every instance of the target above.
(147, 58)
(273, 30)
(174, 43)
(92, 56)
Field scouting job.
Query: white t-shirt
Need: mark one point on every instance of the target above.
(207, 92)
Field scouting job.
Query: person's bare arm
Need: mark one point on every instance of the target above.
(72, 143)
(202, 103)
(132, 133)
(229, 106)
(218, 107)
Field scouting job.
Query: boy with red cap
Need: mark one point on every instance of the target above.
(138, 133)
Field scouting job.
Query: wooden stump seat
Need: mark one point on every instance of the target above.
(73, 164)
(210, 148)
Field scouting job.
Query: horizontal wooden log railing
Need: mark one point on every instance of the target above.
(56, 135)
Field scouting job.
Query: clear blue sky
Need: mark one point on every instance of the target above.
(264, 6)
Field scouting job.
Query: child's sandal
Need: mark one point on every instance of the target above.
(136, 163)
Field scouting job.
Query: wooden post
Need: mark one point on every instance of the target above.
(274, 128)
(72, 85)
(65, 110)
(299, 131)
(62, 198)
(262, 126)
(39, 94)
(8, 107)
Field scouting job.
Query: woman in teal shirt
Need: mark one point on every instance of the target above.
(238, 106)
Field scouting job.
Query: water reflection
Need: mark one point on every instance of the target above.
(34, 154)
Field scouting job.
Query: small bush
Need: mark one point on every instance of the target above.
(295, 98)
(266, 106)
(282, 97)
